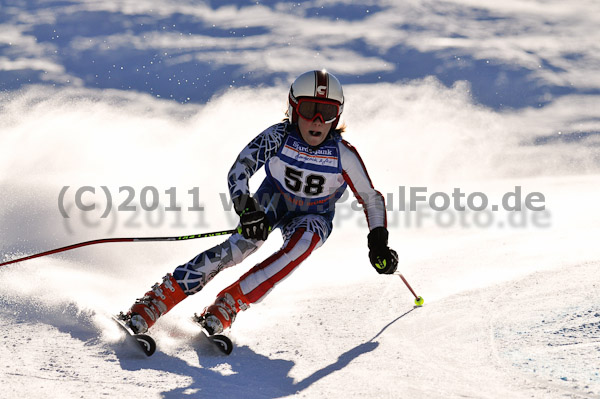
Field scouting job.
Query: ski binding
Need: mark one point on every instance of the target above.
(145, 342)
(221, 342)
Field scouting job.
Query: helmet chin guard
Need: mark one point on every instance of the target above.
(320, 85)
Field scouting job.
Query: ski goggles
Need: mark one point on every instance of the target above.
(312, 108)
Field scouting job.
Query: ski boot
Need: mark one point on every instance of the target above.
(220, 315)
(155, 303)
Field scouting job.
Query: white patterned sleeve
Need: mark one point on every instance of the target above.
(355, 174)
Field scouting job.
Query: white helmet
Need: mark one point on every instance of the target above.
(320, 85)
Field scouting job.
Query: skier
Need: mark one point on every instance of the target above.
(308, 167)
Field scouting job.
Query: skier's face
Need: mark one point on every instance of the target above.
(313, 132)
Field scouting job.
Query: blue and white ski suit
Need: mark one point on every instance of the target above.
(298, 196)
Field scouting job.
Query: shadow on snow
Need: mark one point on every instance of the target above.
(256, 375)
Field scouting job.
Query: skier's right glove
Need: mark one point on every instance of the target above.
(253, 221)
(383, 259)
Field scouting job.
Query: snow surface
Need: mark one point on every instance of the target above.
(512, 299)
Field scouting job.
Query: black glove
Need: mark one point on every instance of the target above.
(383, 259)
(254, 222)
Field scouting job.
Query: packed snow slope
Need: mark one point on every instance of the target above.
(92, 148)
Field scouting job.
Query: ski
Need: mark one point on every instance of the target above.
(145, 342)
(221, 342)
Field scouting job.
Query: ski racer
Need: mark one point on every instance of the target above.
(308, 167)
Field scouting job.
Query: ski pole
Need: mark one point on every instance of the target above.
(132, 239)
(418, 299)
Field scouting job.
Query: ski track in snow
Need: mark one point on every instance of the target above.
(523, 338)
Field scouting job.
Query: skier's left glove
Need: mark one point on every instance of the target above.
(383, 259)
(253, 221)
